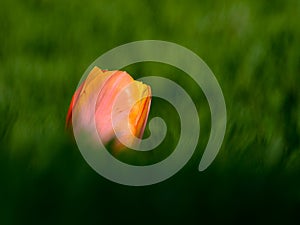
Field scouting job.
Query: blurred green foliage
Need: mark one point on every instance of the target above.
(254, 50)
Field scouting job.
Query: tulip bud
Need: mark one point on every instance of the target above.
(115, 103)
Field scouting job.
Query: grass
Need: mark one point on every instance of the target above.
(254, 50)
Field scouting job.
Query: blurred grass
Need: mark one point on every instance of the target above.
(254, 50)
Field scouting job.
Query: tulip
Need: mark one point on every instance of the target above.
(116, 103)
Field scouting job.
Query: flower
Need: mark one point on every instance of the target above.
(113, 102)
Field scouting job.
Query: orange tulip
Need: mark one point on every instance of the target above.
(107, 95)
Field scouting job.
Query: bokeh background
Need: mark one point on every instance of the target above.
(254, 50)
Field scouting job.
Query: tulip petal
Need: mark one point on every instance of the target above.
(88, 96)
(72, 104)
(80, 91)
(107, 95)
(129, 119)
(114, 84)
(142, 119)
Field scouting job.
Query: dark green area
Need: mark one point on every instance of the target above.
(254, 50)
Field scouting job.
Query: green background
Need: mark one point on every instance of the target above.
(253, 49)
